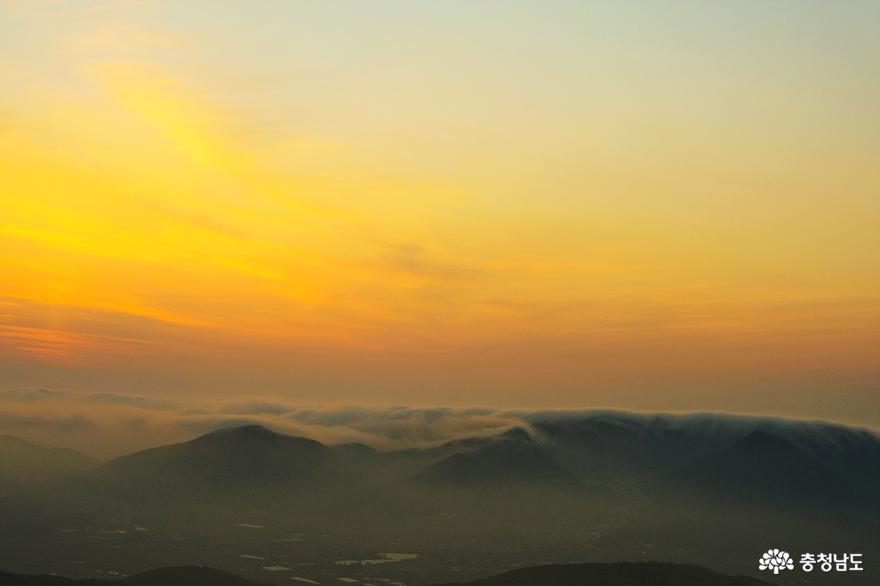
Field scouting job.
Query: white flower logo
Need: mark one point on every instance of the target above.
(775, 560)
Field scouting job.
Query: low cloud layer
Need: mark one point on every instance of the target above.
(110, 424)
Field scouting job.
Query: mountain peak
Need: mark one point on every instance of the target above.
(517, 434)
(764, 439)
(253, 433)
(234, 457)
(249, 430)
(511, 458)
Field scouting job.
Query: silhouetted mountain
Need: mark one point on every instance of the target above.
(621, 447)
(765, 469)
(22, 462)
(616, 574)
(627, 447)
(176, 576)
(508, 460)
(755, 460)
(851, 455)
(250, 456)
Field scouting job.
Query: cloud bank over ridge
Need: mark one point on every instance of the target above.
(110, 424)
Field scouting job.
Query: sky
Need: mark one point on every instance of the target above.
(640, 205)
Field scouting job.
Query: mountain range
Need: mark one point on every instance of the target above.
(602, 486)
(754, 461)
(24, 463)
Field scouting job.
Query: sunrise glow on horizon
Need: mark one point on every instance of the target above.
(444, 203)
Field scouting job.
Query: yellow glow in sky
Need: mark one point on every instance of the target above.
(632, 206)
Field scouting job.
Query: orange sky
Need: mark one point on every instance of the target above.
(444, 204)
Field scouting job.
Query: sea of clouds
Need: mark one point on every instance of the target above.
(106, 425)
(110, 424)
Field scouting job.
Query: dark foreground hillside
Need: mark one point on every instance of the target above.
(616, 574)
(178, 576)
